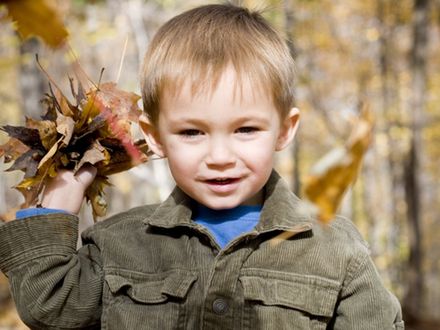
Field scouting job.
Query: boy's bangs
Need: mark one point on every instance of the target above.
(204, 79)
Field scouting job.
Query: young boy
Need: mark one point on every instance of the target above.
(216, 86)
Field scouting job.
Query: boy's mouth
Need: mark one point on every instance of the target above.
(222, 181)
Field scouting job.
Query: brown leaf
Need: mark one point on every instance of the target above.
(97, 131)
(95, 154)
(46, 129)
(27, 162)
(95, 194)
(51, 109)
(65, 126)
(97, 123)
(66, 107)
(119, 102)
(78, 93)
(120, 160)
(12, 149)
(37, 17)
(29, 136)
(30, 188)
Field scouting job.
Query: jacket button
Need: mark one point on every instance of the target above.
(220, 306)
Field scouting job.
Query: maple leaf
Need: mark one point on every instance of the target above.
(96, 131)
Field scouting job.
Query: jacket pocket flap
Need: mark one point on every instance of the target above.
(313, 295)
(151, 288)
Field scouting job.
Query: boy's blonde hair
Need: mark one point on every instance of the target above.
(201, 43)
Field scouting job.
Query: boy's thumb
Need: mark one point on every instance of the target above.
(86, 174)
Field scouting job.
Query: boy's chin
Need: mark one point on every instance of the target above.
(225, 205)
(219, 204)
(219, 207)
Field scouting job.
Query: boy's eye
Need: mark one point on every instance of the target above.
(247, 130)
(190, 132)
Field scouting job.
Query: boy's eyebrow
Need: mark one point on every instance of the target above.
(253, 118)
(187, 120)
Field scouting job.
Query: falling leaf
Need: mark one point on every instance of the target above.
(37, 17)
(336, 171)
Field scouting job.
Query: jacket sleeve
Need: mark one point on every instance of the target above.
(364, 302)
(53, 285)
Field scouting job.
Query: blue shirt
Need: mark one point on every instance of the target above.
(225, 225)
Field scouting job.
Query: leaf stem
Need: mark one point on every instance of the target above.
(122, 60)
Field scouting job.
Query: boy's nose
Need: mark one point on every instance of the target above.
(220, 153)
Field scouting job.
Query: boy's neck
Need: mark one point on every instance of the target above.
(203, 212)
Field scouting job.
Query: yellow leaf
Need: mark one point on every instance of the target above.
(52, 171)
(37, 17)
(64, 105)
(89, 111)
(336, 171)
(30, 188)
(27, 183)
(49, 154)
(95, 194)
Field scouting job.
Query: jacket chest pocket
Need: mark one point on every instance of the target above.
(146, 301)
(275, 300)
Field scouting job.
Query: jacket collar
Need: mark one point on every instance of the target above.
(282, 210)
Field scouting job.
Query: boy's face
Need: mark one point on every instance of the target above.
(220, 146)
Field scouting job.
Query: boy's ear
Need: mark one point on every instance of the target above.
(151, 135)
(288, 130)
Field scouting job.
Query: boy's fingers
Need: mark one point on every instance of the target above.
(66, 191)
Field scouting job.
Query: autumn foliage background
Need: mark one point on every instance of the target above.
(380, 54)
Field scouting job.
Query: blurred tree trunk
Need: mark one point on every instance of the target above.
(414, 297)
(32, 82)
(389, 120)
(289, 20)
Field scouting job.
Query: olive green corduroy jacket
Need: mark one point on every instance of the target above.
(154, 268)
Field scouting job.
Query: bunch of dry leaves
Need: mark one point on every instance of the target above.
(95, 130)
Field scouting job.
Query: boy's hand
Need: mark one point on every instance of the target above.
(66, 191)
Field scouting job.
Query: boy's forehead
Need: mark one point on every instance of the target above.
(229, 83)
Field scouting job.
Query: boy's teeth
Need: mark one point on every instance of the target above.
(220, 180)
